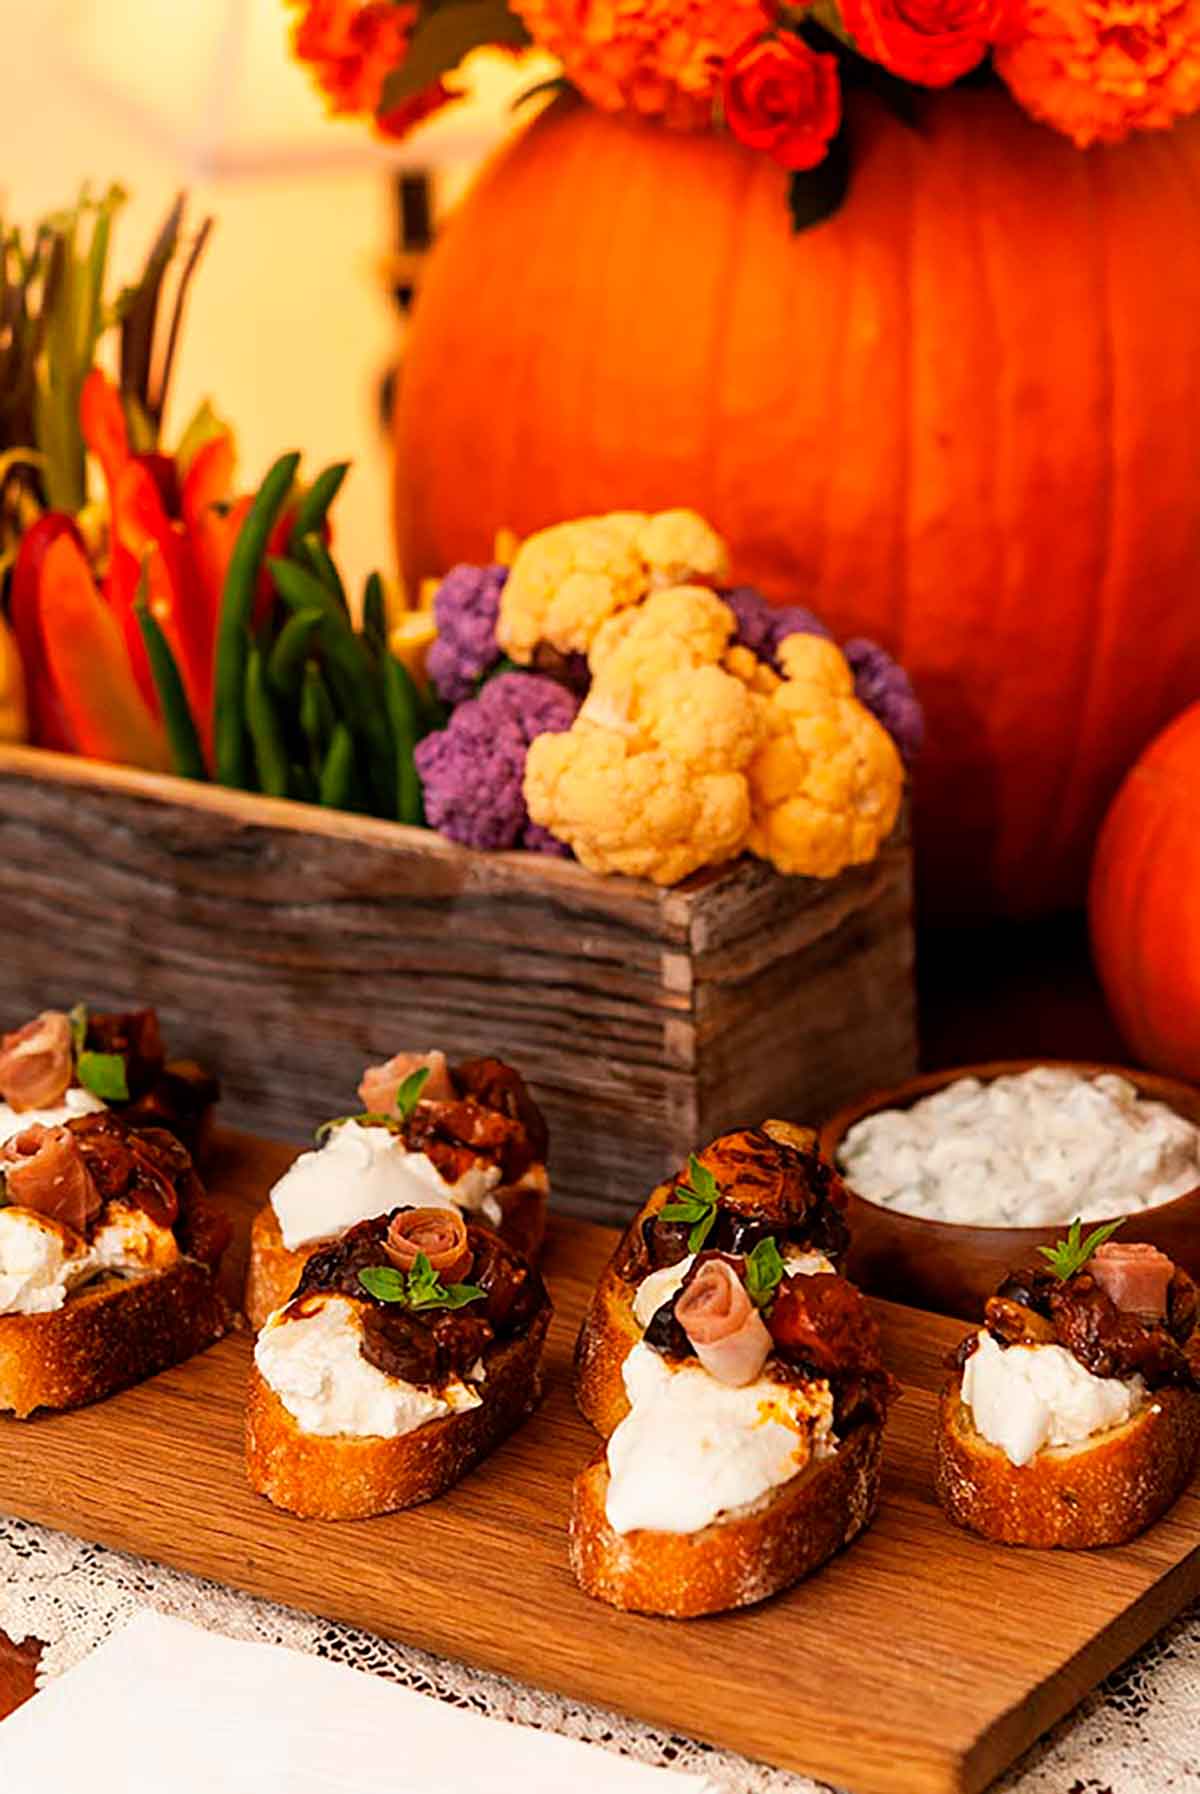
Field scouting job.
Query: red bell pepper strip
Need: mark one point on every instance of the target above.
(89, 665)
(48, 725)
(142, 528)
(102, 422)
(209, 479)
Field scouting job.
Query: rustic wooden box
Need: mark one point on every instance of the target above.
(285, 946)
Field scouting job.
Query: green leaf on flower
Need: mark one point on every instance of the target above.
(815, 194)
(104, 1075)
(1070, 1255)
(441, 38)
(764, 1272)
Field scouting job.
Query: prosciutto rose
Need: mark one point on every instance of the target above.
(45, 1171)
(439, 1233)
(1135, 1278)
(725, 1328)
(380, 1083)
(36, 1062)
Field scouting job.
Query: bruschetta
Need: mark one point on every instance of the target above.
(66, 1063)
(467, 1137)
(750, 1449)
(1073, 1414)
(409, 1350)
(109, 1253)
(755, 1183)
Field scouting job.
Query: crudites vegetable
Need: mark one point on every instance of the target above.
(826, 783)
(565, 581)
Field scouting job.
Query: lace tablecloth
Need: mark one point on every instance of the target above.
(1138, 1734)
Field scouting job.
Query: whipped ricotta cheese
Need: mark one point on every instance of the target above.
(1034, 1149)
(313, 1363)
(360, 1172)
(691, 1449)
(42, 1262)
(77, 1101)
(1027, 1396)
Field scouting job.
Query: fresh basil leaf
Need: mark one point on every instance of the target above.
(701, 1231)
(385, 1283)
(1072, 1254)
(104, 1075)
(409, 1093)
(457, 1295)
(701, 1180)
(688, 1209)
(365, 1119)
(764, 1272)
(78, 1018)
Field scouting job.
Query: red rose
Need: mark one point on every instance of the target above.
(930, 41)
(783, 98)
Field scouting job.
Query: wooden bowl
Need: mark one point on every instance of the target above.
(953, 1268)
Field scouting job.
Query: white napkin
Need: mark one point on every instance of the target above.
(165, 1708)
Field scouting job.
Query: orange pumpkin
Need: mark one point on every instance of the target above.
(960, 417)
(1145, 902)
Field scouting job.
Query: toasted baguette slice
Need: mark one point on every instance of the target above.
(107, 1336)
(341, 1477)
(273, 1271)
(610, 1332)
(738, 1560)
(1101, 1492)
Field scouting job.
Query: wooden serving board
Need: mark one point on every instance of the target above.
(921, 1661)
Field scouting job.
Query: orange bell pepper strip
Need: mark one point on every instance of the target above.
(88, 663)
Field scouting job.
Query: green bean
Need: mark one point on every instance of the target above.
(348, 669)
(374, 614)
(337, 770)
(270, 754)
(182, 735)
(314, 506)
(285, 666)
(317, 715)
(302, 590)
(313, 551)
(400, 695)
(233, 632)
(301, 783)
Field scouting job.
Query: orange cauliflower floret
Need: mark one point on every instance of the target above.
(656, 675)
(640, 812)
(825, 785)
(566, 581)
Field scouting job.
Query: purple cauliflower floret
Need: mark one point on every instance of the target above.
(762, 625)
(885, 689)
(465, 608)
(472, 771)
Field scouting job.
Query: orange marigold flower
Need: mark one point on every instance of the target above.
(661, 58)
(352, 48)
(929, 41)
(1099, 69)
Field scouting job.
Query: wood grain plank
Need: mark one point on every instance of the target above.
(922, 1660)
(636, 1014)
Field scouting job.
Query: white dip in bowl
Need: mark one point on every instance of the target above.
(1031, 1149)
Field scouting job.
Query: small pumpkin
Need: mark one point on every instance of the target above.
(1145, 902)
